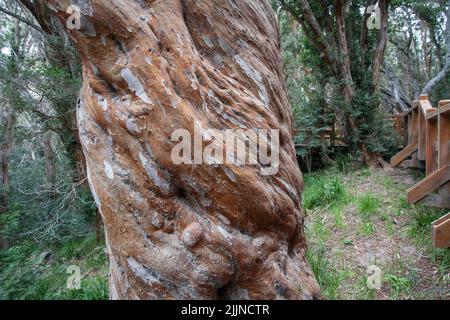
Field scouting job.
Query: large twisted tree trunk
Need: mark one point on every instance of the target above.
(188, 231)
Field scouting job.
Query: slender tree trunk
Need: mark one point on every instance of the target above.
(98, 227)
(345, 67)
(426, 53)
(50, 168)
(6, 147)
(74, 149)
(381, 45)
(446, 70)
(185, 231)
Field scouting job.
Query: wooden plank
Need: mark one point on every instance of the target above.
(426, 107)
(444, 139)
(414, 127)
(428, 185)
(444, 149)
(433, 115)
(444, 103)
(413, 163)
(436, 201)
(444, 109)
(402, 155)
(421, 137)
(422, 133)
(440, 232)
(414, 107)
(431, 150)
(406, 127)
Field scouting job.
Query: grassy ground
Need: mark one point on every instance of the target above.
(358, 223)
(33, 272)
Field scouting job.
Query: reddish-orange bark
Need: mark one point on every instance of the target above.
(188, 231)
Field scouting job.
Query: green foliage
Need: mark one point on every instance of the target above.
(367, 229)
(316, 88)
(344, 162)
(43, 214)
(328, 277)
(399, 285)
(91, 289)
(338, 217)
(35, 272)
(323, 191)
(371, 126)
(368, 204)
(420, 230)
(10, 222)
(306, 86)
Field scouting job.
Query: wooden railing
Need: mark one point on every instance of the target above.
(426, 131)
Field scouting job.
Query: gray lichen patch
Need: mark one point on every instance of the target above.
(85, 7)
(108, 170)
(256, 77)
(102, 102)
(132, 127)
(207, 41)
(230, 174)
(135, 85)
(154, 174)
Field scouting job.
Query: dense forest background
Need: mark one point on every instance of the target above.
(340, 74)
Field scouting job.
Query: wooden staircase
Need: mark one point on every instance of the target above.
(427, 139)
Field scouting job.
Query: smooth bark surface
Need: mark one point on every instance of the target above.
(186, 232)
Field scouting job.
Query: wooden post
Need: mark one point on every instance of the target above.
(440, 232)
(444, 146)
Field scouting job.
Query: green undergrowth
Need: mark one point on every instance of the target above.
(34, 272)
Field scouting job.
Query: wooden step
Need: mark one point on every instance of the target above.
(440, 232)
(404, 154)
(429, 185)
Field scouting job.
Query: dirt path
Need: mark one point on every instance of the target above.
(367, 230)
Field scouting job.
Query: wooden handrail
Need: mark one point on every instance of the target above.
(425, 105)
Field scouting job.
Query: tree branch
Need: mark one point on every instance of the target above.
(12, 14)
(381, 44)
(446, 70)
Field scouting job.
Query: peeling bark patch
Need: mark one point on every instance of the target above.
(208, 41)
(153, 174)
(156, 220)
(108, 170)
(256, 77)
(132, 126)
(141, 272)
(135, 85)
(226, 47)
(230, 174)
(85, 7)
(224, 233)
(102, 102)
